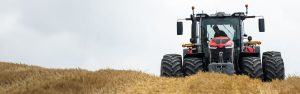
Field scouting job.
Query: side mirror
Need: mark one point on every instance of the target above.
(179, 28)
(261, 25)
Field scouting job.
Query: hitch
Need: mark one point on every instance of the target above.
(227, 68)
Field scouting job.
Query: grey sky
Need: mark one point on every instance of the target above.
(127, 34)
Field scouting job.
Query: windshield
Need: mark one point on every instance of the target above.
(217, 27)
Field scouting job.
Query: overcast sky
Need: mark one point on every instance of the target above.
(129, 34)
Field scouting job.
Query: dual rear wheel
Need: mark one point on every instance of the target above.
(272, 66)
(192, 65)
(171, 65)
(252, 67)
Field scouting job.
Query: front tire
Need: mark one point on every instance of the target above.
(192, 65)
(171, 66)
(252, 67)
(273, 66)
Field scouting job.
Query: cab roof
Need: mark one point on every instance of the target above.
(223, 14)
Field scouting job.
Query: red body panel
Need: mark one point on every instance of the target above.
(190, 51)
(249, 49)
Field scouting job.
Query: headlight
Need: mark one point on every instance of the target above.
(212, 47)
(231, 46)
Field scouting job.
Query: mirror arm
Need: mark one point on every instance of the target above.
(178, 20)
(260, 16)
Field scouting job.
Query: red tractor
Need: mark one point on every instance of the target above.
(218, 43)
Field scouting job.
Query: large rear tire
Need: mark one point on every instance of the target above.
(252, 67)
(273, 66)
(171, 66)
(192, 65)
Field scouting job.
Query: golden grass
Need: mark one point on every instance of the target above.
(25, 79)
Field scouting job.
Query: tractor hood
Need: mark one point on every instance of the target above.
(221, 42)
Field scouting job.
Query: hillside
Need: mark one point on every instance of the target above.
(26, 79)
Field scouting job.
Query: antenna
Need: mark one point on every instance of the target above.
(246, 8)
(193, 8)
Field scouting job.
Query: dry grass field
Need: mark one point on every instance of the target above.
(26, 79)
